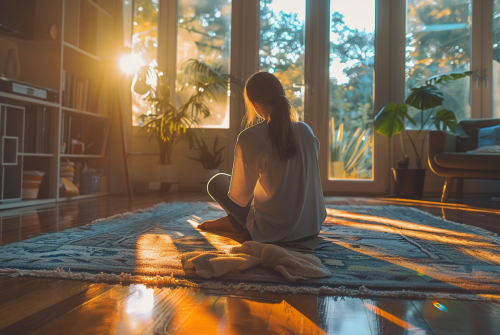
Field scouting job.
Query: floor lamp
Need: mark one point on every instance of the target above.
(116, 98)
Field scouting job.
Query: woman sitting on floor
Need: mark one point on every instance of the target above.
(275, 190)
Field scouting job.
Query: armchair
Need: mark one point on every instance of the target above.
(448, 156)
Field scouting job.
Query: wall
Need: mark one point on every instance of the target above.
(188, 171)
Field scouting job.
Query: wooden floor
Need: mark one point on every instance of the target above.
(48, 306)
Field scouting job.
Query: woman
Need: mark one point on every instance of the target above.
(275, 190)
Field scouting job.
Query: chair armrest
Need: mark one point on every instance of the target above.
(440, 141)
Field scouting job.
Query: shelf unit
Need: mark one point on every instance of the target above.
(84, 43)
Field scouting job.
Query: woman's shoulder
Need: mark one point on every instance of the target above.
(256, 132)
(304, 127)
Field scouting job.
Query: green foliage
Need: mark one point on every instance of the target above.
(352, 103)
(447, 77)
(391, 119)
(145, 32)
(353, 148)
(445, 119)
(444, 49)
(167, 124)
(170, 125)
(425, 97)
(281, 50)
(209, 160)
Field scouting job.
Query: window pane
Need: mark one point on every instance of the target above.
(281, 45)
(145, 45)
(496, 59)
(352, 52)
(204, 33)
(438, 41)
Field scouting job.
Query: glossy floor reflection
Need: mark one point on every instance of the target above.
(136, 309)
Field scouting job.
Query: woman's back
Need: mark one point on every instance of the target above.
(288, 199)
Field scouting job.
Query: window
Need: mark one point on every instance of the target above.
(496, 59)
(281, 45)
(144, 46)
(204, 33)
(352, 56)
(438, 40)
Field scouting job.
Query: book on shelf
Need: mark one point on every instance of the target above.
(77, 92)
(84, 134)
(37, 130)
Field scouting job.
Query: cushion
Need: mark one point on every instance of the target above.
(466, 161)
(488, 136)
(471, 128)
(489, 149)
(466, 144)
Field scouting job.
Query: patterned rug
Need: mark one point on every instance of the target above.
(378, 247)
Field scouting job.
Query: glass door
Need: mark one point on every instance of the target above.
(356, 156)
(282, 46)
(351, 89)
(491, 59)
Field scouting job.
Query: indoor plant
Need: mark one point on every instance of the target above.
(391, 120)
(350, 154)
(169, 124)
(209, 160)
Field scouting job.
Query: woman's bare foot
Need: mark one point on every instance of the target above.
(221, 224)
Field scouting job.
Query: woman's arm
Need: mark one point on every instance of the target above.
(245, 172)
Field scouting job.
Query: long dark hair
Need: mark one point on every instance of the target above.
(265, 88)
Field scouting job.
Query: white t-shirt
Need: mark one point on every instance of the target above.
(288, 199)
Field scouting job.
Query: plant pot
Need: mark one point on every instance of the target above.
(206, 175)
(409, 182)
(337, 170)
(164, 178)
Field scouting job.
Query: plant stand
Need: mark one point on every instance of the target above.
(409, 182)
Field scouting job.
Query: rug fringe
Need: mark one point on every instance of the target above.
(341, 291)
(122, 215)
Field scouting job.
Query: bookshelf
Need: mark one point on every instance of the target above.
(32, 130)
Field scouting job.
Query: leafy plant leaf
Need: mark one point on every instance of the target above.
(446, 118)
(425, 97)
(447, 77)
(390, 120)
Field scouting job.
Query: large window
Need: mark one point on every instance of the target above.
(496, 59)
(204, 33)
(144, 46)
(438, 40)
(281, 45)
(352, 56)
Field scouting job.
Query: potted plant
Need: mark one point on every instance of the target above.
(169, 124)
(392, 120)
(210, 160)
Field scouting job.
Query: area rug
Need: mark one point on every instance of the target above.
(372, 247)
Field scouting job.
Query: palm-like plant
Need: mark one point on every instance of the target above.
(170, 124)
(351, 148)
(209, 160)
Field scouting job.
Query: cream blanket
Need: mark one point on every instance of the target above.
(292, 265)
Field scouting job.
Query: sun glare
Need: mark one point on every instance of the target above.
(131, 63)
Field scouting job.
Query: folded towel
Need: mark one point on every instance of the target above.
(292, 265)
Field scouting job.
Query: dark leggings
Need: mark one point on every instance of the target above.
(218, 188)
